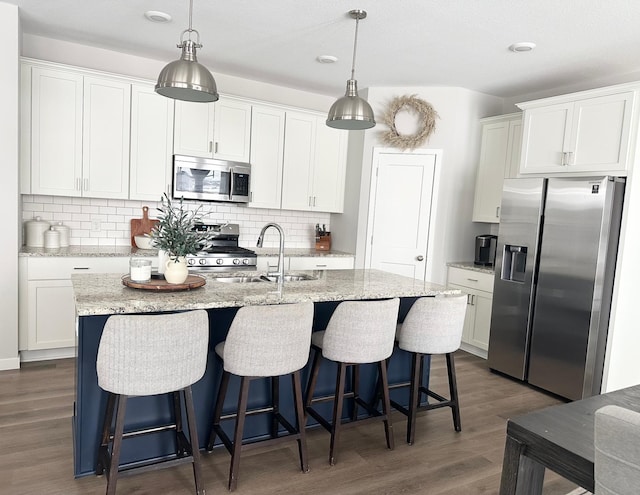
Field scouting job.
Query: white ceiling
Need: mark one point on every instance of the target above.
(463, 43)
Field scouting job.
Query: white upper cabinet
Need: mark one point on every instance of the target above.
(151, 143)
(585, 135)
(232, 130)
(193, 131)
(105, 142)
(219, 130)
(314, 164)
(56, 132)
(267, 151)
(79, 134)
(499, 156)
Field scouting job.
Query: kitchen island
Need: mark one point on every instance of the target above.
(99, 296)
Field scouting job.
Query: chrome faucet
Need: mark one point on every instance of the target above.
(280, 273)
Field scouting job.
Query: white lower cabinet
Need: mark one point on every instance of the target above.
(46, 306)
(270, 263)
(479, 289)
(321, 263)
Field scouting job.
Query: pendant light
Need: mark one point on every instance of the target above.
(186, 79)
(351, 111)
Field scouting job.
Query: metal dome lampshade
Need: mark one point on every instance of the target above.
(352, 112)
(186, 79)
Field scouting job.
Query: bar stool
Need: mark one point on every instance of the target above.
(433, 325)
(358, 332)
(264, 341)
(141, 355)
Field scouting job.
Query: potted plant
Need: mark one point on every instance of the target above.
(174, 233)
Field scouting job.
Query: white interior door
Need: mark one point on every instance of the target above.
(400, 212)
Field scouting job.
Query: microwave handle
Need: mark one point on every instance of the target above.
(231, 185)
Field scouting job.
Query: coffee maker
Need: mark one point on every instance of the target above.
(485, 249)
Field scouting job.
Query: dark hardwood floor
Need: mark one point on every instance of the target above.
(36, 405)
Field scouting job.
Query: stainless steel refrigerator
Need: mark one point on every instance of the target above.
(555, 264)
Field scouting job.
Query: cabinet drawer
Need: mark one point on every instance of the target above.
(50, 268)
(471, 279)
(321, 263)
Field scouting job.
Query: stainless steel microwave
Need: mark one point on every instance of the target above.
(208, 179)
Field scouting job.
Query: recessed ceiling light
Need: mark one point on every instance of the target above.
(157, 16)
(522, 46)
(327, 59)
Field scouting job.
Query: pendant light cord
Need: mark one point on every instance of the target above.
(355, 44)
(190, 17)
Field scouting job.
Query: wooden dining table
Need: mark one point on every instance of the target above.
(559, 438)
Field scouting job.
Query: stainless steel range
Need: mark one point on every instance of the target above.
(220, 252)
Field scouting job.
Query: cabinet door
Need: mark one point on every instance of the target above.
(267, 152)
(193, 131)
(232, 131)
(479, 336)
(329, 168)
(491, 169)
(106, 134)
(151, 143)
(56, 132)
(470, 315)
(600, 135)
(546, 138)
(299, 148)
(514, 147)
(51, 314)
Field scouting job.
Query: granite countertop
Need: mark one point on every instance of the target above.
(114, 251)
(104, 294)
(469, 265)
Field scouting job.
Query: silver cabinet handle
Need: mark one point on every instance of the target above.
(215, 147)
(472, 279)
(314, 201)
(569, 157)
(420, 257)
(78, 184)
(468, 299)
(210, 146)
(251, 196)
(86, 184)
(497, 212)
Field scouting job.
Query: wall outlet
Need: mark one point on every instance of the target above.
(95, 225)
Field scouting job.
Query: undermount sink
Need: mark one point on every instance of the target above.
(263, 278)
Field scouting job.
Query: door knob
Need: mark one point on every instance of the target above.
(420, 257)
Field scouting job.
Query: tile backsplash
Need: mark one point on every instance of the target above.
(106, 222)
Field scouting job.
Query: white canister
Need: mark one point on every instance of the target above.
(64, 234)
(51, 239)
(34, 232)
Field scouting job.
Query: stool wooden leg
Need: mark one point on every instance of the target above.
(414, 395)
(222, 393)
(112, 477)
(275, 403)
(386, 405)
(300, 422)
(337, 411)
(355, 387)
(237, 437)
(453, 391)
(193, 437)
(103, 450)
(313, 378)
(182, 447)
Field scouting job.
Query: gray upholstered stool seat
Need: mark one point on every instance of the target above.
(264, 341)
(358, 332)
(142, 355)
(433, 325)
(617, 451)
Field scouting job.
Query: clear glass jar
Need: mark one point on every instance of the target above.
(139, 270)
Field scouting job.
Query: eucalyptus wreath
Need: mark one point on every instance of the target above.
(427, 116)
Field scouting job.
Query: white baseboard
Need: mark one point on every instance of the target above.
(474, 350)
(47, 354)
(9, 363)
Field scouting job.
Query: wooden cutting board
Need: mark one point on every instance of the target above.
(141, 226)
